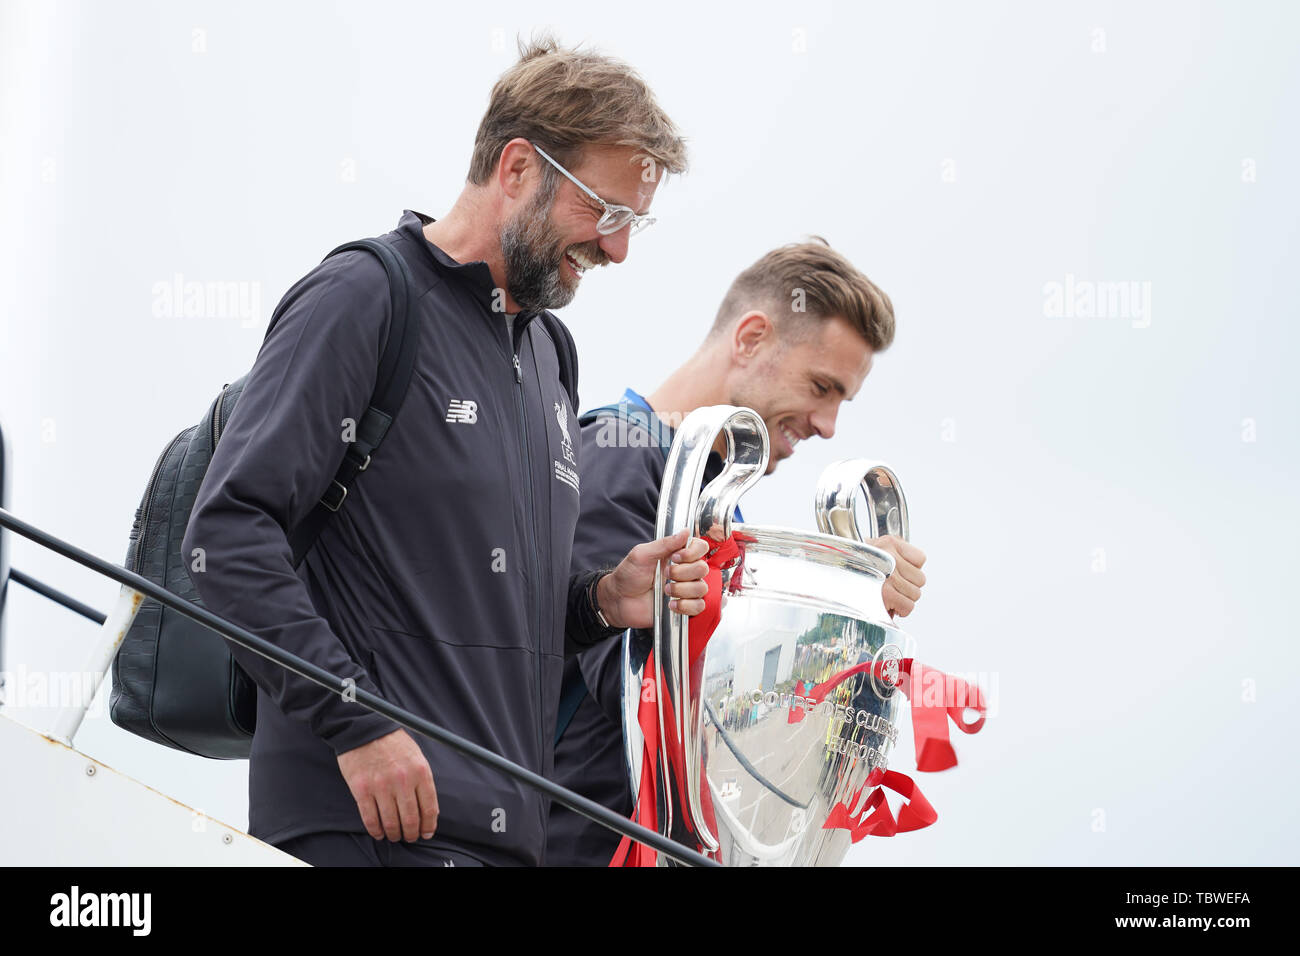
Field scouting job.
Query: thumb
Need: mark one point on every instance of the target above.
(662, 548)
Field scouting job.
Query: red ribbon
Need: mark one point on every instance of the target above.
(930, 710)
(914, 815)
(930, 714)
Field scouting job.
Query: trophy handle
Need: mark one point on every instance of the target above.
(684, 506)
(886, 507)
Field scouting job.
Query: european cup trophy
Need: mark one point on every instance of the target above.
(763, 743)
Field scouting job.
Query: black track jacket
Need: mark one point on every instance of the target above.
(441, 584)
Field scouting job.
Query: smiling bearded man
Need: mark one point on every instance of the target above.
(443, 581)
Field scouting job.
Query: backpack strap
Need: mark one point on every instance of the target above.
(395, 367)
(631, 414)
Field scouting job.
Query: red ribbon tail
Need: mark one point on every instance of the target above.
(936, 697)
(917, 813)
(881, 823)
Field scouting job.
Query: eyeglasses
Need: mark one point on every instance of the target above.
(615, 216)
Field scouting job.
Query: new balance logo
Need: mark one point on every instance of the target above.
(465, 412)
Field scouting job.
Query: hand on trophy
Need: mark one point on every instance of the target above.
(902, 589)
(626, 594)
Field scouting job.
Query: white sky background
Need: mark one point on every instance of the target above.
(963, 155)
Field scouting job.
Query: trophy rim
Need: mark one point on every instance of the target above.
(857, 555)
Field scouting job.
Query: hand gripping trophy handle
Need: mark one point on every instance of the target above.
(884, 505)
(683, 505)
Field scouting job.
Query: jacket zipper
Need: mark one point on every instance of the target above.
(533, 562)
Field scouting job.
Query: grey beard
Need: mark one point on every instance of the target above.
(532, 260)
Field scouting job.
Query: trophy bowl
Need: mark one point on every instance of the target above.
(794, 717)
(770, 732)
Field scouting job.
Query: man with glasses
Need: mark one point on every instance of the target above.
(443, 581)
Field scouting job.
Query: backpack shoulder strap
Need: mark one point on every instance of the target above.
(566, 351)
(395, 367)
(632, 415)
(589, 416)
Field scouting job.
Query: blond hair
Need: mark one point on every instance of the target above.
(566, 99)
(800, 284)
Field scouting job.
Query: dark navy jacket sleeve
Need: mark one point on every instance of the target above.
(582, 628)
(280, 451)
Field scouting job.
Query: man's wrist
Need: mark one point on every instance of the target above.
(585, 612)
(601, 601)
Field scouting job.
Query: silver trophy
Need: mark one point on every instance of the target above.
(767, 737)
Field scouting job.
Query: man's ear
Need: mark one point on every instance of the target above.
(517, 167)
(752, 333)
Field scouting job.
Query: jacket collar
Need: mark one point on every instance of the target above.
(476, 275)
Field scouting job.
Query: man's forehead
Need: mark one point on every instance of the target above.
(841, 356)
(620, 174)
(863, 371)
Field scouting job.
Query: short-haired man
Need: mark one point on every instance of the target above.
(793, 339)
(444, 582)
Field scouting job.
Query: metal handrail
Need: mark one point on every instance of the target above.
(57, 596)
(135, 588)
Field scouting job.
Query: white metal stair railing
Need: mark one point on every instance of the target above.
(98, 660)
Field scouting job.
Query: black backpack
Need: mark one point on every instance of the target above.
(174, 681)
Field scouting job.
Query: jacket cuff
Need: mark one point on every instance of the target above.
(581, 623)
(359, 730)
(348, 724)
